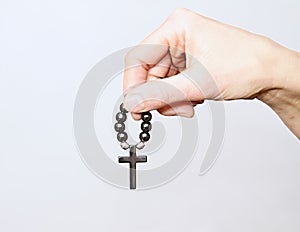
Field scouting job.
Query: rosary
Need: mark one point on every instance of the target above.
(122, 137)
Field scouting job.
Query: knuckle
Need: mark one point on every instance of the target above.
(181, 14)
(129, 57)
(180, 11)
(132, 59)
(181, 17)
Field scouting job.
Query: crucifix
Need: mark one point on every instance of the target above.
(122, 137)
(132, 159)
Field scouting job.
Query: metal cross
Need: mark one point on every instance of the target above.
(132, 159)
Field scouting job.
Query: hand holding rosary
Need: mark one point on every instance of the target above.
(122, 137)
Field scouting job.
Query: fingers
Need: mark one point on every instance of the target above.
(160, 93)
(184, 109)
(154, 50)
(161, 69)
(143, 57)
(160, 55)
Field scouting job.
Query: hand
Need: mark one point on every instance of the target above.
(240, 65)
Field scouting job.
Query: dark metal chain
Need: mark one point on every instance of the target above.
(122, 136)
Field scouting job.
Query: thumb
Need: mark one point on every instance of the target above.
(163, 93)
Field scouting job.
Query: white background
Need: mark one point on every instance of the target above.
(46, 49)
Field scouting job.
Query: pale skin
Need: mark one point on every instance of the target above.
(242, 65)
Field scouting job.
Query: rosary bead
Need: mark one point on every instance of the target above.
(144, 136)
(122, 109)
(140, 145)
(122, 136)
(121, 117)
(124, 145)
(119, 127)
(146, 126)
(146, 116)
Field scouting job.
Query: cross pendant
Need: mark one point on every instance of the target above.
(132, 159)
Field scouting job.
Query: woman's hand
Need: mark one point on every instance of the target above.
(240, 65)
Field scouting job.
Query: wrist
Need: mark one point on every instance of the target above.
(287, 71)
(283, 91)
(282, 77)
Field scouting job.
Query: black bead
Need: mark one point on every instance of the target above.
(146, 116)
(122, 136)
(121, 117)
(122, 109)
(119, 127)
(146, 126)
(144, 136)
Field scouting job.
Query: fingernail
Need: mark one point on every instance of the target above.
(184, 113)
(133, 103)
